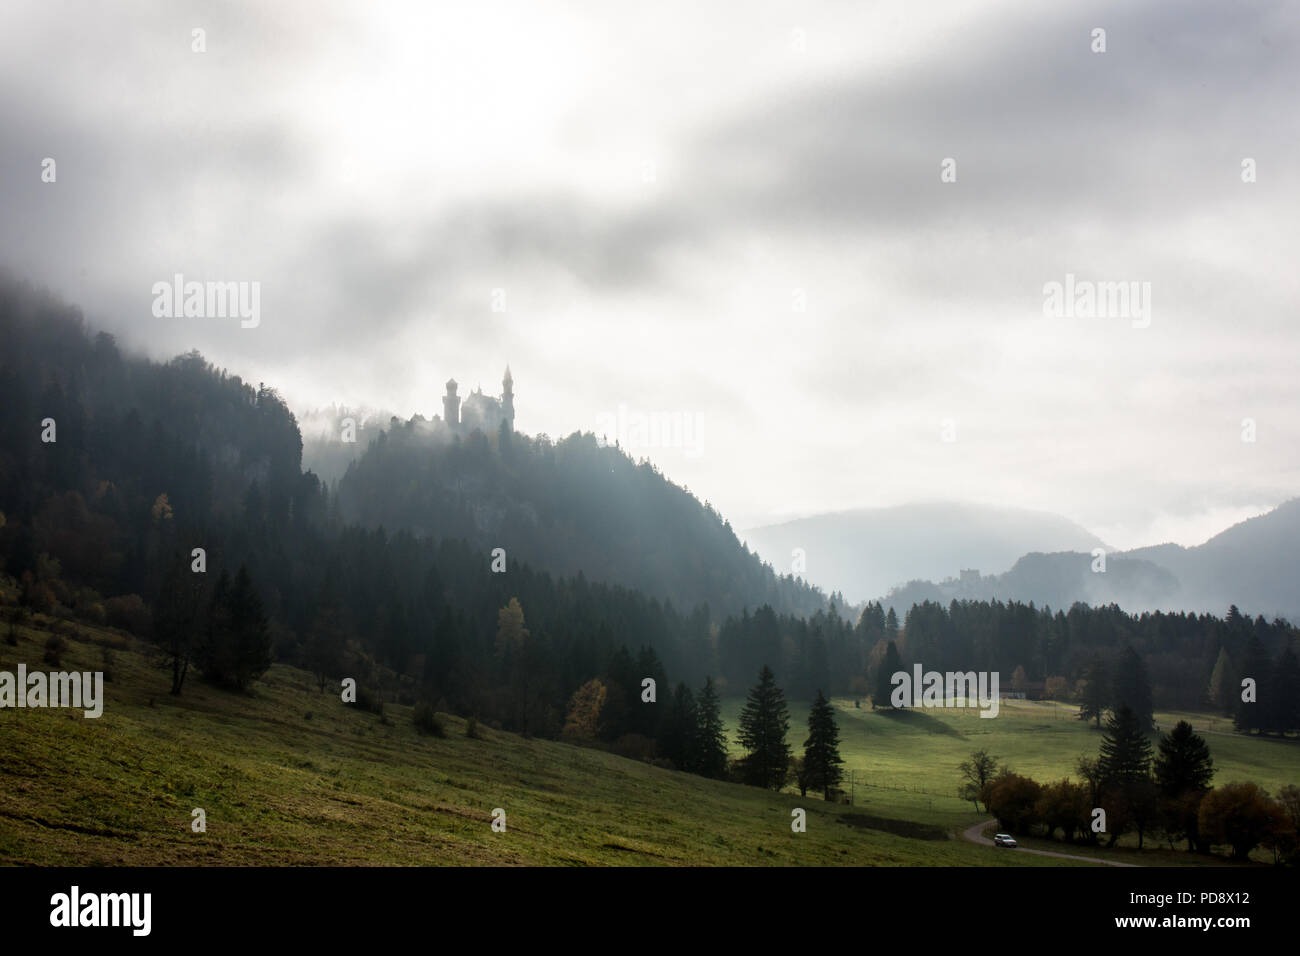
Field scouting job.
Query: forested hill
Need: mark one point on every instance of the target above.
(212, 453)
(570, 506)
(101, 452)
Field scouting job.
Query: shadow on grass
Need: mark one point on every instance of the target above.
(904, 828)
(920, 720)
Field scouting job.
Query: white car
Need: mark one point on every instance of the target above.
(1003, 839)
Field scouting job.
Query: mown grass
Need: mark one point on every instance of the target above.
(292, 776)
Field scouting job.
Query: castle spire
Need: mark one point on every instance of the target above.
(508, 399)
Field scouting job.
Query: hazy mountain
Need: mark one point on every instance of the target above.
(1057, 580)
(865, 553)
(563, 507)
(1254, 564)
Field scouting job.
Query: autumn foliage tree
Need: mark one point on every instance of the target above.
(1239, 815)
(583, 719)
(1013, 799)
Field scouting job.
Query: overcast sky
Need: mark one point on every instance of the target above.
(728, 211)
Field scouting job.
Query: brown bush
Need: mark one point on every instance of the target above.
(130, 613)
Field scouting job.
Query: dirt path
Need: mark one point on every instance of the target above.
(975, 834)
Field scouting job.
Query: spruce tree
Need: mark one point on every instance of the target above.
(1250, 715)
(1131, 687)
(177, 617)
(1283, 708)
(1183, 771)
(889, 665)
(763, 725)
(891, 625)
(680, 738)
(821, 751)
(1125, 751)
(237, 647)
(1183, 761)
(1125, 765)
(711, 736)
(1096, 691)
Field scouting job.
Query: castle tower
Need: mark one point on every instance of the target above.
(451, 405)
(508, 399)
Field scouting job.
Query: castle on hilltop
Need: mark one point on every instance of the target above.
(480, 411)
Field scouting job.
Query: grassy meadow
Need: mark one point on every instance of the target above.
(288, 775)
(897, 756)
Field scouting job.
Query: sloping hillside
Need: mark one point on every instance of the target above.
(1253, 564)
(568, 507)
(292, 776)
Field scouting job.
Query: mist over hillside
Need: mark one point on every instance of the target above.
(335, 436)
(1251, 565)
(572, 506)
(864, 553)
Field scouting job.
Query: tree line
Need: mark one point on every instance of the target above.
(154, 460)
(1131, 788)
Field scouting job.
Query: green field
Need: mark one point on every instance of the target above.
(907, 762)
(291, 776)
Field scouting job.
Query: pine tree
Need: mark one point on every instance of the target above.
(889, 665)
(646, 717)
(237, 647)
(764, 723)
(891, 625)
(1125, 751)
(821, 751)
(711, 738)
(680, 736)
(1250, 714)
(1284, 694)
(1131, 687)
(1183, 761)
(1096, 691)
(177, 616)
(1125, 766)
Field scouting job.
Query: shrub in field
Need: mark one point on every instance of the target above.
(426, 720)
(54, 647)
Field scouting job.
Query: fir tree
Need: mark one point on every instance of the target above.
(1183, 761)
(1096, 691)
(711, 737)
(1283, 706)
(763, 725)
(1125, 751)
(237, 648)
(177, 617)
(1125, 767)
(1183, 771)
(1257, 667)
(1131, 687)
(680, 738)
(821, 751)
(889, 665)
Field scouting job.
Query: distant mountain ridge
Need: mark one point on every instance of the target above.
(1254, 564)
(942, 552)
(864, 553)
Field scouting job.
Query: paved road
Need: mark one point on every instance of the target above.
(975, 835)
